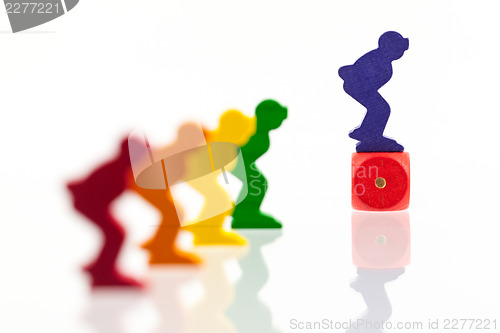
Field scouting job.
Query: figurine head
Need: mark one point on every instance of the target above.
(234, 127)
(190, 135)
(393, 45)
(270, 114)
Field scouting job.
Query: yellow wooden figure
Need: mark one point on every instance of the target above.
(236, 128)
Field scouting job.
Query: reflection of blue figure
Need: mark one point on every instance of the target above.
(362, 80)
(371, 284)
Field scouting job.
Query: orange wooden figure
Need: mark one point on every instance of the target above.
(155, 188)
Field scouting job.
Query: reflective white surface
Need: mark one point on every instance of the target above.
(68, 98)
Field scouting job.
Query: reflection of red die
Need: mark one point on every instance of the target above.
(381, 240)
(380, 181)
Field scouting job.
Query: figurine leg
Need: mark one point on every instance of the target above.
(103, 270)
(208, 229)
(377, 115)
(210, 232)
(162, 247)
(381, 144)
(247, 213)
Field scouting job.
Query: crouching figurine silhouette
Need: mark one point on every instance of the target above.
(362, 80)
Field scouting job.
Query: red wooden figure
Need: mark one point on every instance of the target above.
(92, 197)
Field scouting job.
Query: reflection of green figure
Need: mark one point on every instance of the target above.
(247, 214)
(248, 312)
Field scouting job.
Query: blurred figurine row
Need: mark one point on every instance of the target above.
(198, 157)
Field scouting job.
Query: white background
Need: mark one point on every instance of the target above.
(72, 88)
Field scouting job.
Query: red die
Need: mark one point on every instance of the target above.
(381, 240)
(380, 181)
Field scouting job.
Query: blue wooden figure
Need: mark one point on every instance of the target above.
(362, 80)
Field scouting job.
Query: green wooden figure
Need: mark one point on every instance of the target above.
(270, 114)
